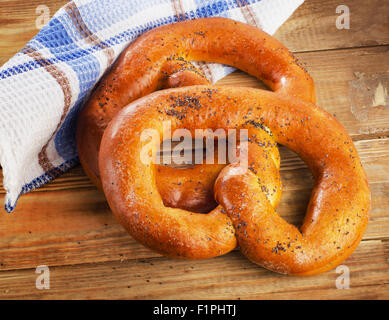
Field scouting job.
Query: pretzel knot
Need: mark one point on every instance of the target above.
(336, 216)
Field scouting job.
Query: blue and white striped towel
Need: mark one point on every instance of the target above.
(43, 86)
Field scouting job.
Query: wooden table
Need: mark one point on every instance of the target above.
(68, 226)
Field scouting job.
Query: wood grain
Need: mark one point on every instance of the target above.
(227, 277)
(68, 226)
(313, 26)
(17, 23)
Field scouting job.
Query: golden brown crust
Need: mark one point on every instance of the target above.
(158, 59)
(337, 214)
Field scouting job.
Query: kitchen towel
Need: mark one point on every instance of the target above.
(43, 87)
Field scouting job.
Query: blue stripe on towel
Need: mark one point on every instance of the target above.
(87, 68)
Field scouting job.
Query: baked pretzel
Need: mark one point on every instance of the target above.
(157, 60)
(337, 213)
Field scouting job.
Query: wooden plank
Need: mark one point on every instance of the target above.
(351, 84)
(311, 27)
(18, 23)
(62, 225)
(228, 277)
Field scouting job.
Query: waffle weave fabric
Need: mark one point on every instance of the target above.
(43, 87)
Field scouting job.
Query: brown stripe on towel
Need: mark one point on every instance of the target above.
(180, 13)
(247, 12)
(63, 81)
(86, 33)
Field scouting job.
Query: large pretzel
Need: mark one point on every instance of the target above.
(337, 214)
(158, 59)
